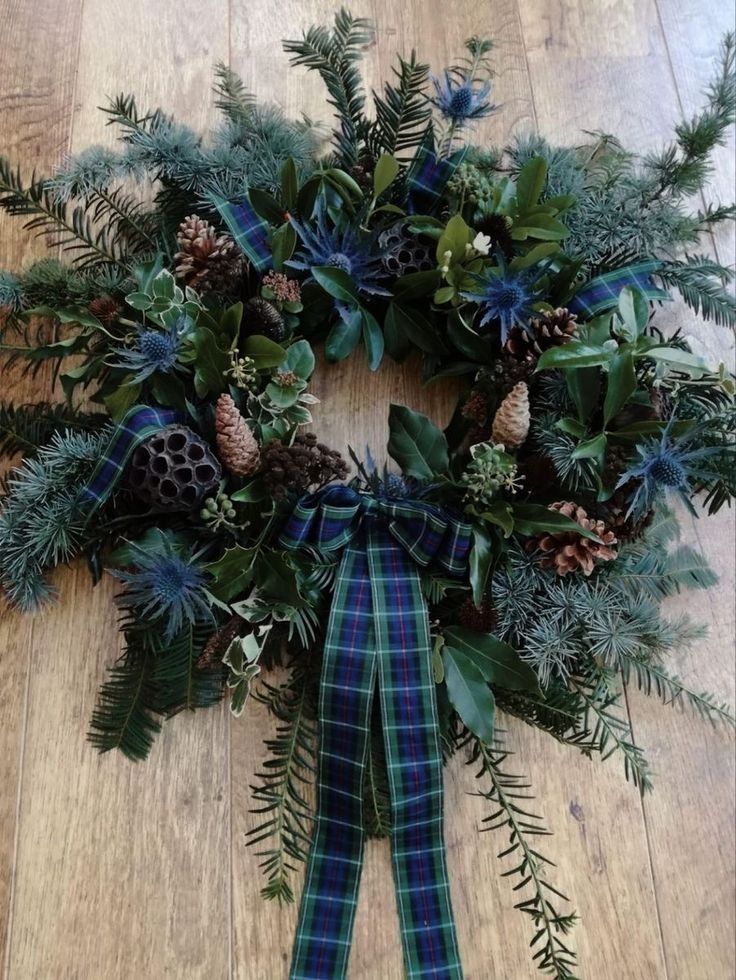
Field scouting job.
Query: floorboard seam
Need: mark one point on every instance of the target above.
(528, 69)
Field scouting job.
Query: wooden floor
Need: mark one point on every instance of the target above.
(112, 870)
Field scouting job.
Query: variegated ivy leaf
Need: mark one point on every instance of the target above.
(242, 658)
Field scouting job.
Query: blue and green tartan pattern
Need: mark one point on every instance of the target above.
(248, 229)
(378, 632)
(140, 422)
(427, 178)
(601, 294)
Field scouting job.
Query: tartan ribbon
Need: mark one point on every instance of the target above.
(137, 424)
(249, 230)
(427, 178)
(602, 293)
(378, 633)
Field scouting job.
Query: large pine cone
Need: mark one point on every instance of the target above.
(236, 444)
(511, 421)
(404, 252)
(566, 551)
(173, 469)
(206, 261)
(550, 330)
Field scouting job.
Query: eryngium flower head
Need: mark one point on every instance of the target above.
(506, 298)
(460, 100)
(668, 464)
(155, 351)
(340, 246)
(165, 586)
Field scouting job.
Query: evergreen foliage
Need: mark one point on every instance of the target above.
(403, 113)
(27, 428)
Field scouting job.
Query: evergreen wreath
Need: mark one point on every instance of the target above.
(539, 274)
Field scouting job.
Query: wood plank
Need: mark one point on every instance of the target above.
(618, 79)
(122, 870)
(35, 116)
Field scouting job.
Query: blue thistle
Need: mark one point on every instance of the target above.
(156, 351)
(668, 465)
(461, 100)
(505, 297)
(165, 586)
(339, 246)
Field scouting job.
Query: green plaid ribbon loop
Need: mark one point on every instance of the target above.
(601, 294)
(378, 634)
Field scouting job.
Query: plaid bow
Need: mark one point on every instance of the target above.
(601, 293)
(427, 178)
(138, 424)
(378, 631)
(249, 230)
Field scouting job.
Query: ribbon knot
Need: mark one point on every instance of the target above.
(378, 637)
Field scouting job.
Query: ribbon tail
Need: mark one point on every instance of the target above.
(414, 756)
(330, 895)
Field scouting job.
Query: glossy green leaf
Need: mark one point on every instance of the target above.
(594, 448)
(533, 518)
(264, 351)
(481, 558)
(344, 335)
(417, 445)
(530, 183)
(232, 573)
(384, 173)
(621, 384)
(469, 694)
(498, 662)
(373, 340)
(337, 283)
(633, 308)
(574, 354)
(266, 205)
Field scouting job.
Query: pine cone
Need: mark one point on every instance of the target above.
(512, 419)
(481, 620)
(206, 261)
(300, 467)
(262, 317)
(508, 372)
(236, 444)
(567, 551)
(498, 229)
(105, 309)
(551, 330)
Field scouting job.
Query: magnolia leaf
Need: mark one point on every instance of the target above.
(373, 340)
(344, 335)
(417, 445)
(283, 243)
(265, 352)
(633, 308)
(533, 518)
(594, 448)
(469, 694)
(498, 662)
(621, 384)
(574, 354)
(499, 512)
(384, 173)
(480, 562)
(337, 283)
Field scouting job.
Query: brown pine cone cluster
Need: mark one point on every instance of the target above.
(480, 620)
(549, 330)
(304, 465)
(206, 261)
(566, 551)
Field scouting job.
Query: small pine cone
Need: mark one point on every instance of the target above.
(105, 309)
(236, 444)
(567, 551)
(498, 229)
(216, 647)
(512, 419)
(550, 330)
(476, 408)
(480, 620)
(508, 372)
(262, 317)
(206, 261)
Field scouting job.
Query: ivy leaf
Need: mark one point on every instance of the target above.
(469, 694)
(210, 364)
(497, 662)
(417, 445)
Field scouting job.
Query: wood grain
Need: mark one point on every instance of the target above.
(141, 871)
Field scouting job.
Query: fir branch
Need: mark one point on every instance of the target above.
(335, 54)
(26, 428)
(652, 678)
(610, 732)
(280, 793)
(232, 97)
(125, 714)
(403, 113)
(508, 794)
(182, 684)
(705, 285)
(656, 573)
